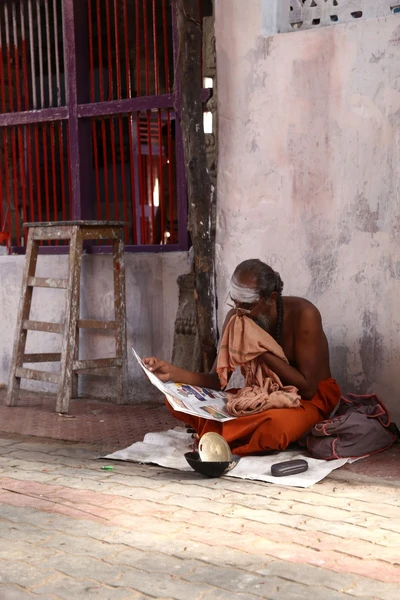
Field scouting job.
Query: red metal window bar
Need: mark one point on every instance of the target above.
(89, 129)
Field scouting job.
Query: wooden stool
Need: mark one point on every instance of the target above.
(70, 366)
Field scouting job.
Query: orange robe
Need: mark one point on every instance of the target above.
(272, 429)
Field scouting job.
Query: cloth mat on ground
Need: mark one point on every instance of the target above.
(167, 449)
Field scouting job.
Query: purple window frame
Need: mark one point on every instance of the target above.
(77, 112)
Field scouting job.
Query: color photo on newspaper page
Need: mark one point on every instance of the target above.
(190, 399)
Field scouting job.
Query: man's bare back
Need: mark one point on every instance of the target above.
(304, 344)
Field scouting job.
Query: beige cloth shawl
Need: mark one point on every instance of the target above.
(242, 345)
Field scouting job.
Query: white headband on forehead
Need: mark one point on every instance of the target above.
(241, 293)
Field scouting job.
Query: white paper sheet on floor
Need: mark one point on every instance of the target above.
(167, 449)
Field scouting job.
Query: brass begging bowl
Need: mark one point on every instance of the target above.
(211, 468)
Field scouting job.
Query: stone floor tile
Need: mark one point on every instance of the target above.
(217, 594)
(341, 582)
(4, 443)
(24, 550)
(84, 546)
(80, 567)
(39, 476)
(22, 514)
(133, 557)
(155, 562)
(363, 587)
(227, 578)
(148, 542)
(19, 573)
(14, 530)
(14, 593)
(160, 585)
(62, 524)
(68, 588)
(81, 484)
(287, 590)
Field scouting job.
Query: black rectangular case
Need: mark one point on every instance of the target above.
(290, 467)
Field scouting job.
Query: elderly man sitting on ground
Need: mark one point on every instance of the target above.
(280, 345)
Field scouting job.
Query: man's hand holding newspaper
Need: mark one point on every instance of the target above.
(190, 399)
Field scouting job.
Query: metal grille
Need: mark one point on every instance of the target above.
(131, 51)
(31, 55)
(135, 174)
(89, 129)
(35, 181)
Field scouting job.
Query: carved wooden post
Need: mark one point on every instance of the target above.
(210, 71)
(199, 185)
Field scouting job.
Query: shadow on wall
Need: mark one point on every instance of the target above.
(369, 348)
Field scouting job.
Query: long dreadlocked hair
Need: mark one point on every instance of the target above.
(267, 282)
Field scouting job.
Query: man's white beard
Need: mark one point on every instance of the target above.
(263, 321)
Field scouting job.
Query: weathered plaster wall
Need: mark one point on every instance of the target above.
(309, 178)
(152, 302)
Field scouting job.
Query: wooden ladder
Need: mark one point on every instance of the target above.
(70, 366)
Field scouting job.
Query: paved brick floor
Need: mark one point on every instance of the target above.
(116, 427)
(87, 421)
(70, 530)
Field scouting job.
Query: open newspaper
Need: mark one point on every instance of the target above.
(191, 399)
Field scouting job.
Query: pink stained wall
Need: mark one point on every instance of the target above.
(309, 178)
